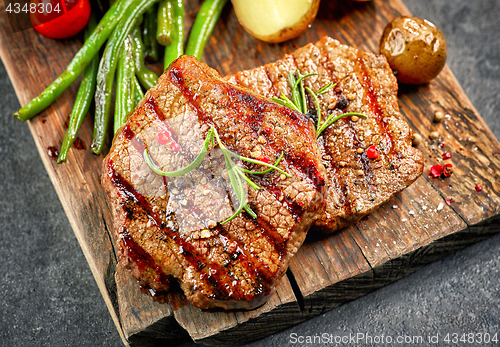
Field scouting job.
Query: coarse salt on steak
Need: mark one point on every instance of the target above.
(170, 227)
(367, 160)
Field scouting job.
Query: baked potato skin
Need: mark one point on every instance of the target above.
(246, 9)
(415, 49)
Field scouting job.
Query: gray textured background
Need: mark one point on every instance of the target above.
(48, 296)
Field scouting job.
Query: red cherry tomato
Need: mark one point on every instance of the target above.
(59, 19)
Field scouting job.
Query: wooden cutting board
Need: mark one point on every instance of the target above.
(430, 219)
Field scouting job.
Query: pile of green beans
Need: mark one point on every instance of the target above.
(131, 32)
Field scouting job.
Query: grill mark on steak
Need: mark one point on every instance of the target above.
(257, 108)
(375, 105)
(246, 257)
(240, 262)
(268, 75)
(376, 109)
(297, 160)
(334, 170)
(186, 249)
(369, 79)
(142, 258)
(217, 275)
(251, 119)
(363, 161)
(127, 132)
(333, 163)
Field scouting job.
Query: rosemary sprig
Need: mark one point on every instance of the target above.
(330, 120)
(299, 102)
(196, 162)
(235, 173)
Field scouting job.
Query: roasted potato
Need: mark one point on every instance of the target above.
(275, 20)
(415, 49)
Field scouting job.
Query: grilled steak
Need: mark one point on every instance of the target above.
(171, 227)
(367, 160)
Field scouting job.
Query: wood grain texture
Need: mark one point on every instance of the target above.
(414, 228)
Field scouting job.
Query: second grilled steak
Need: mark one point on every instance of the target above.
(170, 227)
(360, 178)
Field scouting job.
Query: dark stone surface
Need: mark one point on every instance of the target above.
(48, 296)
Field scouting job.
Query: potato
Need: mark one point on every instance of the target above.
(275, 20)
(415, 49)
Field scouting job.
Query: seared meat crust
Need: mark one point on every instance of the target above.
(170, 227)
(357, 184)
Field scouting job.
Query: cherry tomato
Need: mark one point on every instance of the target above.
(59, 19)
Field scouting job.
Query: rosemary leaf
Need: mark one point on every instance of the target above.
(301, 77)
(330, 120)
(284, 101)
(300, 84)
(235, 173)
(196, 162)
(326, 88)
(242, 175)
(265, 171)
(258, 162)
(295, 92)
(235, 184)
(318, 109)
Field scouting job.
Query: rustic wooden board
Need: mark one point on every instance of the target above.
(407, 232)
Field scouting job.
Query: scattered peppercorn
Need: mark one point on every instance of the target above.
(372, 152)
(205, 234)
(174, 146)
(433, 135)
(436, 171)
(446, 155)
(163, 137)
(417, 138)
(478, 187)
(442, 144)
(438, 116)
(447, 170)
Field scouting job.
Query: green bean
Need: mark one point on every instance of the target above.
(146, 77)
(82, 58)
(205, 22)
(149, 35)
(176, 48)
(138, 93)
(124, 87)
(165, 22)
(107, 69)
(83, 98)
